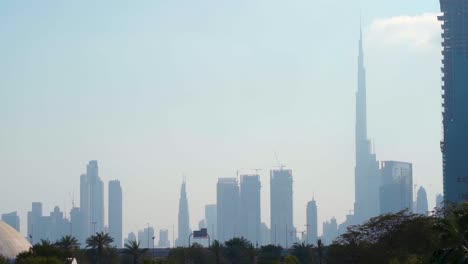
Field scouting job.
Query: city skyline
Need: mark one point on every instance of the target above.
(316, 165)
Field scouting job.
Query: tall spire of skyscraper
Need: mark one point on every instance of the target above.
(366, 170)
(183, 227)
(361, 104)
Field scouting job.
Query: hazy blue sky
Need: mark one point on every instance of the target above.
(155, 89)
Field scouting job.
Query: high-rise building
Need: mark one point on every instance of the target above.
(33, 220)
(164, 239)
(130, 237)
(77, 228)
(421, 202)
(281, 215)
(250, 208)
(439, 200)
(12, 219)
(51, 227)
(145, 237)
(454, 144)
(115, 212)
(311, 222)
(211, 222)
(265, 235)
(366, 171)
(396, 191)
(92, 200)
(183, 217)
(330, 231)
(227, 200)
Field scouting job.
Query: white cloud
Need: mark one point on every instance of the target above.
(419, 32)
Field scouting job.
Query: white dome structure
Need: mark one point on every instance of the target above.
(11, 241)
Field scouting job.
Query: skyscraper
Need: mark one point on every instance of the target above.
(92, 200)
(330, 231)
(396, 191)
(12, 219)
(211, 222)
(145, 237)
(366, 171)
(311, 222)
(183, 217)
(227, 201)
(164, 239)
(281, 215)
(115, 212)
(421, 202)
(250, 208)
(439, 200)
(454, 145)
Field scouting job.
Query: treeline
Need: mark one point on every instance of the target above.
(401, 238)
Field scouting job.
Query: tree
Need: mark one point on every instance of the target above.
(133, 249)
(68, 245)
(99, 243)
(4, 260)
(303, 252)
(237, 250)
(270, 254)
(216, 247)
(320, 250)
(451, 224)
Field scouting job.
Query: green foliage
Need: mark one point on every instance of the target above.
(303, 252)
(239, 251)
(452, 227)
(133, 249)
(291, 260)
(4, 260)
(406, 238)
(39, 260)
(99, 246)
(270, 254)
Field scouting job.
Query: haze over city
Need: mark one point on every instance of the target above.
(161, 91)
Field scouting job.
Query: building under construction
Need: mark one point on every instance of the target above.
(454, 144)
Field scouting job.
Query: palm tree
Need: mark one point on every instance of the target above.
(303, 252)
(237, 250)
(68, 245)
(133, 249)
(216, 248)
(320, 250)
(99, 243)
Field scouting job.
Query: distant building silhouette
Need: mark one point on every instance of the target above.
(130, 237)
(211, 220)
(367, 168)
(227, 209)
(439, 200)
(77, 228)
(281, 199)
(250, 208)
(12, 219)
(396, 191)
(164, 239)
(92, 200)
(311, 230)
(201, 224)
(115, 212)
(421, 202)
(330, 231)
(455, 95)
(265, 235)
(183, 219)
(145, 237)
(51, 227)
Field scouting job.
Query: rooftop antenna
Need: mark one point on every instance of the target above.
(280, 165)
